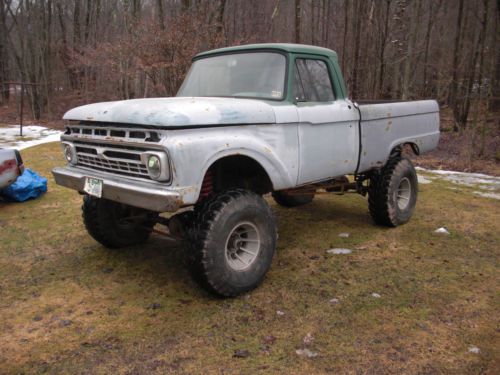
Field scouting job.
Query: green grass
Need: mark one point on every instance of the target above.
(68, 305)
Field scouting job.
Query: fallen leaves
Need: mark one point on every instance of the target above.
(241, 353)
(308, 339)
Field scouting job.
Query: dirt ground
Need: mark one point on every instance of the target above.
(406, 300)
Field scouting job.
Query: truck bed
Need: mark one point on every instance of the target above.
(386, 124)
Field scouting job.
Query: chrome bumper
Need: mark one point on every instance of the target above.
(118, 189)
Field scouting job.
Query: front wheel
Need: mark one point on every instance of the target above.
(116, 225)
(232, 242)
(392, 194)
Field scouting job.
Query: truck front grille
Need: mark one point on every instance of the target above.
(98, 132)
(121, 161)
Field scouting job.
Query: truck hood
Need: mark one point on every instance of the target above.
(176, 112)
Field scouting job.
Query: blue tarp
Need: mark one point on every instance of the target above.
(27, 186)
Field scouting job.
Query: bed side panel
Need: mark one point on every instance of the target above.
(384, 126)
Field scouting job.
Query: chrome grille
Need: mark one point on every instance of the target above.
(111, 159)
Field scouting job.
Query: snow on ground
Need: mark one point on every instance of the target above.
(423, 180)
(487, 186)
(487, 195)
(32, 135)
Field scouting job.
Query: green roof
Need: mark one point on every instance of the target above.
(287, 47)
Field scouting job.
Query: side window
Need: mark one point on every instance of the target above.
(312, 82)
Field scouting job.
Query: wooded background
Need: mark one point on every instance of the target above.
(79, 51)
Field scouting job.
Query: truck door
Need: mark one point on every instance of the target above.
(328, 127)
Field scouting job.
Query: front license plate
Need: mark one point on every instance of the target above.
(93, 186)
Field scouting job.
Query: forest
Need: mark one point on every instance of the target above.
(71, 52)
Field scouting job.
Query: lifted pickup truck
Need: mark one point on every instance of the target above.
(248, 120)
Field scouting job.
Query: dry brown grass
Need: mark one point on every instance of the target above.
(68, 305)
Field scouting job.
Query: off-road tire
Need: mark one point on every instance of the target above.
(214, 223)
(287, 200)
(383, 192)
(102, 221)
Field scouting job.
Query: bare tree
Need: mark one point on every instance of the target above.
(298, 16)
(4, 54)
(412, 40)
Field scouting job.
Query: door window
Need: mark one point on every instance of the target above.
(312, 81)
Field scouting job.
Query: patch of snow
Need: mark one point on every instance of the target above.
(376, 295)
(280, 313)
(474, 349)
(487, 187)
(480, 180)
(339, 251)
(334, 301)
(487, 195)
(306, 353)
(442, 230)
(344, 235)
(423, 180)
(32, 135)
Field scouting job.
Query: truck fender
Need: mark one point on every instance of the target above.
(274, 168)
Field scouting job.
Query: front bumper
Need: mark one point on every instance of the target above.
(141, 194)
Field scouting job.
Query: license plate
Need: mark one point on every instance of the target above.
(93, 186)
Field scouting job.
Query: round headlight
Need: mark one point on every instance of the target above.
(68, 153)
(154, 166)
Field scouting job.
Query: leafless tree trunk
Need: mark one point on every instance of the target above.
(298, 16)
(494, 102)
(358, 14)
(381, 52)
(344, 40)
(411, 49)
(433, 10)
(160, 14)
(4, 54)
(456, 58)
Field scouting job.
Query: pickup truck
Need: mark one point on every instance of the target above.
(247, 121)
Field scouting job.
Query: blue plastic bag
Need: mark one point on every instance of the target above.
(27, 186)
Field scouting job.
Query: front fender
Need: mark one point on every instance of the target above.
(274, 147)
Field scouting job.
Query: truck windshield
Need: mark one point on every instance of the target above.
(250, 75)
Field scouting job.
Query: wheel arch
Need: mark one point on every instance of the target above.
(258, 172)
(399, 147)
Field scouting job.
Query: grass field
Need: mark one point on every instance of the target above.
(68, 305)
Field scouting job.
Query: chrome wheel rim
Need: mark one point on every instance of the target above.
(403, 193)
(242, 246)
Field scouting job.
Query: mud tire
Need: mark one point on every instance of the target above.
(102, 220)
(383, 192)
(214, 223)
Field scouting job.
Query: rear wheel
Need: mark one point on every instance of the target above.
(392, 194)
(232, 242)
(292, 200)
(116, 225)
